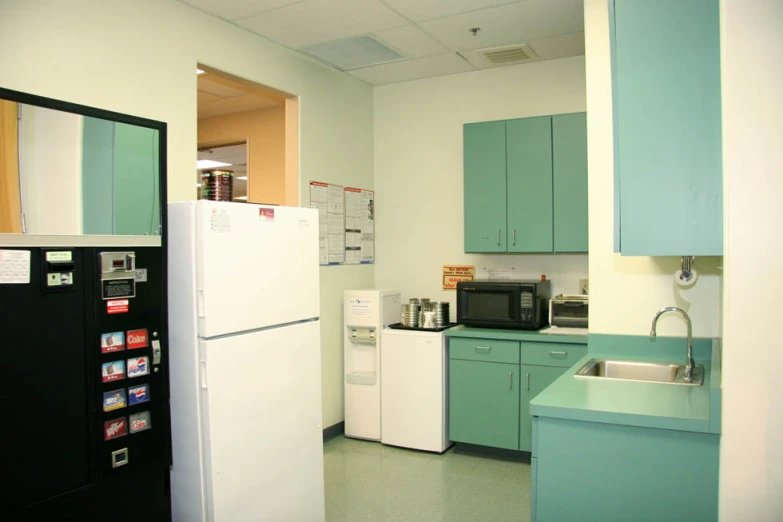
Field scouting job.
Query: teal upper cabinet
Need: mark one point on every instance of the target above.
(526, 185)
(529, 194)
(667, 124)
(485, 186)
(569, 163)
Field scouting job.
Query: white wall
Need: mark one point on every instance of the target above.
(418, 171)
(50, 166)
(751, 466)
(625, 292)
(140, 58)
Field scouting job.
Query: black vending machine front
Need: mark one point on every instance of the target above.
(84, 383)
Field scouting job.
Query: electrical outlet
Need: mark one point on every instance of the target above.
(583, 287)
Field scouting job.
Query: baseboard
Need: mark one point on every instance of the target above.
(334, 431)
(496, 453)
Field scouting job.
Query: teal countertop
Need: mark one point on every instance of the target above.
(513, 335)
(652, 405)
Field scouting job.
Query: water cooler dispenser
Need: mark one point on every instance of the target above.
(366, 312)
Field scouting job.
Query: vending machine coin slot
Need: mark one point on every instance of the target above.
(59, 268)
(118, 275)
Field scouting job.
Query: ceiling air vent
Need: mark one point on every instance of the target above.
(498, 56)
(506, 55)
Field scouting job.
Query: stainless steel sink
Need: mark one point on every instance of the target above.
(639, 371)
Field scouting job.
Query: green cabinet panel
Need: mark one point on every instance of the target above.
(569, 182)
(136, 198)
(485, 350)
(614, 472)
(485, 186)
(534, 380)
(529, 196)
(484, 403)
(667, 123)
(551, 354)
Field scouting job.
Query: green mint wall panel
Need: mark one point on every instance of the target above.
(97, 176)
(668, 123)
(529, 197)
(484, 403)
(595, 472)
(484, 158)
(569, 181)
(136, 180)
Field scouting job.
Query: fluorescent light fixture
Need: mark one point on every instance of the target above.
(243, 178)
(199, 71)
(241, 198)
(353, 53)
(209, 164)
(199, 185)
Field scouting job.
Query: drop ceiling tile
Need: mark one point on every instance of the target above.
(420, 10)
(205, 97)
(519, 22)
(317, 21)
(413, 69)
(235, 9)
(411, 41)
(561, 46)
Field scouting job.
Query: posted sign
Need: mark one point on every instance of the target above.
(452, 274)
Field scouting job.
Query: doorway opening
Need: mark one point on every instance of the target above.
(252, 131)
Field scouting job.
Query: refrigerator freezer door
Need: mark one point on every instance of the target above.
(413, 395)
(261, 420)
(257, 266)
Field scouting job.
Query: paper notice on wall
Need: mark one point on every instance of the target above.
(14, 267)
(453, 274)
(328, 199)
(359, 226)
(495, 274)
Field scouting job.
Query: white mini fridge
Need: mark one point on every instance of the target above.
(245, 363)
(415, 390)
(365, 314)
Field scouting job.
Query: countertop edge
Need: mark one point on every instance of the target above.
(514, 335)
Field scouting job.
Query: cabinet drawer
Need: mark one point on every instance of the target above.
(488, 350)
(551, 354)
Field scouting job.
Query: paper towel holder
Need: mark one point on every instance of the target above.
(686, 275)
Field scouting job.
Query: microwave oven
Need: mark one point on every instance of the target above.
(518, 304)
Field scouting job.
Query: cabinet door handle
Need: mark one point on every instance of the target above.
(514, 237)
(527, 385)
(484, 349)
(558, 355)
(498, 237)
(510, 380)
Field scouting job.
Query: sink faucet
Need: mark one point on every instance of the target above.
(689, 364)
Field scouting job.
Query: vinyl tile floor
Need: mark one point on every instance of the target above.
(370, 482)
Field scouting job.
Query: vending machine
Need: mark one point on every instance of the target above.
(84, 388)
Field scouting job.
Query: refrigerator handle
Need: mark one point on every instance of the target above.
(201, 312)
(202, 375)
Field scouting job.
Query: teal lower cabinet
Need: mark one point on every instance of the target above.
(491, 383)
(534, 380)
(484, 403)
(591, 471)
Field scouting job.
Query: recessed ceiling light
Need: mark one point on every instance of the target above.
(243, 178)
(199, 71)
(199, 185)
(241, 198)
(209, 164)
(353, 53)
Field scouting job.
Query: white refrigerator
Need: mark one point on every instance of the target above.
(245, 363)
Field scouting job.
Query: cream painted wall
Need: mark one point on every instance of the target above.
(50, 163)
(751, 466)
(140, 58)
(625, 292)
(264, 130)
(418, 171)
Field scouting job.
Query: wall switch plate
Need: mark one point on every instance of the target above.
(583, 287)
